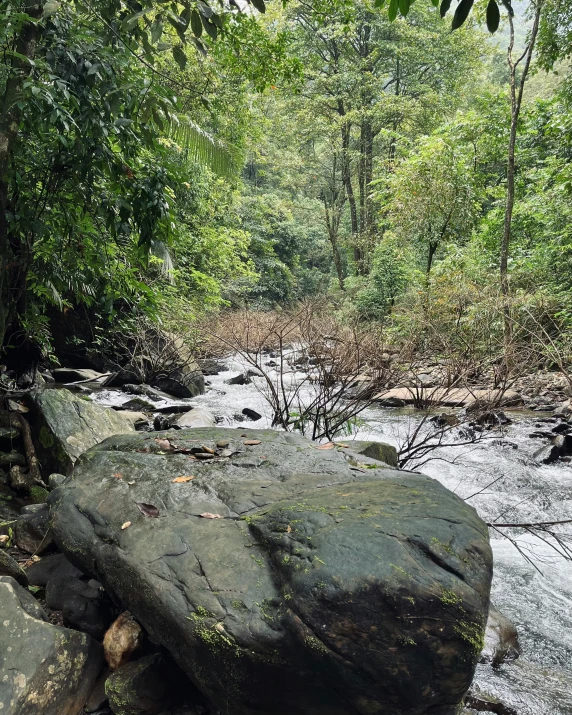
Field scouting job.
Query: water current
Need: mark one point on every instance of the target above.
(501, 479)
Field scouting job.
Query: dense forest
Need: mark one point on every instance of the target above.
(166, 162)
(285, 357)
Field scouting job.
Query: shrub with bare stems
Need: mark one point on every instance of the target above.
(345, 366)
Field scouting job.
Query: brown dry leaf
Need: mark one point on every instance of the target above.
(252, 442)
(345, 446)
(289, 529)
(208, 450)
(148, 509)
(164, 444)
(244, 435)
(328, 445)
(181, 480)
(131, 483)
(117, 475)
(125, 526)
(208, 515)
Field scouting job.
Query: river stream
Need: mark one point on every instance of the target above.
(537, 598)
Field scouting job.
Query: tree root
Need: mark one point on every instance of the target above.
(33, 475)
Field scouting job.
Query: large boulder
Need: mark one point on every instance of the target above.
(282, 577)
(44, 669)
(66, 425)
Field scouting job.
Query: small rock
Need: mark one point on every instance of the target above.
(197, 417)
(121, 640)
(251, 414)
(138, 404)
(501, 639)
(10, 567)
(242, 379)
(163, 422)
(32, 530)
(476, 700)
(379, 451)
(55, 480)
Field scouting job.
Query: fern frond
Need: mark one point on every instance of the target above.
(203, 148)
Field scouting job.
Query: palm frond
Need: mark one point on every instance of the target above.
(203, 148)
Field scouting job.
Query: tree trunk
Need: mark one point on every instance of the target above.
(347, 179)
(516, 94)
(11, 262)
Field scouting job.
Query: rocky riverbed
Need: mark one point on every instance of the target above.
(159, 522)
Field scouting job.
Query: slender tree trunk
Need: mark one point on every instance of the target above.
(516, 95)
(332, 225)
(347, 179)
(11, 262)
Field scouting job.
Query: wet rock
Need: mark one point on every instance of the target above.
(493, 418)
(548, 454)
(501, 639)
(282, 576)
(45, 669)
(211, 367)
(10, 567)
(482, 702)
(197, 417)
(563, 409)
(379, 451)
(32, 530)
(163, 422)
(182, 385)
(242, 379)
(138, 404)
(147, 391)
(123, 638)
(251, 414)
(271, 363)
(65, 426)
(562, 428)
(445, 420)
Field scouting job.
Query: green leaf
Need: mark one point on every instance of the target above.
(444, 9)
(210, 28)
(259, 5)
(196, 24)
(404, 7)
(393, 8)
(379, 3)
(180, 57)
(461, 13)
(493, 16)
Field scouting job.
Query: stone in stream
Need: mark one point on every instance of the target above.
(283, 579)
(67, 375)
(196, 417)
(241, 379)
(65, 426)
(44, 669)
(501, 639)
(251, 414)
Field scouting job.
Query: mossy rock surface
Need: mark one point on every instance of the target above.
(321, 586)
(66, 425)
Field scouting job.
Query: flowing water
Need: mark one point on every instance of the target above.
(536, 597)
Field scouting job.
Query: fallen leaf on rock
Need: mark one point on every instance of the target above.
(4, 539)
(126, 525)
(328, 445)
(244, 435)
(289, 529)
(181, 480)
(14, 406)
(345, 446)
(252, 442)
(117, 475)
(147, 509)
(131, 483)
(209, 450)
(164, 444)
(208, 515)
